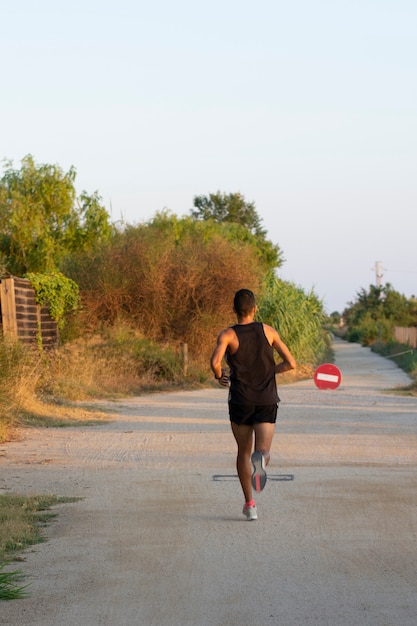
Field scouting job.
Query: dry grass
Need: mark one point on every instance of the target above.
(22, 402)
(118, 362)
(47, 390)
(41, 390)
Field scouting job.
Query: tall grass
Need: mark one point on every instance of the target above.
(298, 317)
(19, 377)
(23, 385)
(10, 587)
(117, 361)
(37, 390)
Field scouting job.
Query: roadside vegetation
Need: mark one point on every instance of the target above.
(370, 320)
(404, 356)
(132, 300)
(22, 523)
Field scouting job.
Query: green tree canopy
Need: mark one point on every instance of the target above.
(228, 207)
(233, 209)
(376, 312)
(42, 219)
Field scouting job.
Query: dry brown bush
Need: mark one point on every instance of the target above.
(173, 287)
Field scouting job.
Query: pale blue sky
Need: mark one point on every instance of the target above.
(308, 108)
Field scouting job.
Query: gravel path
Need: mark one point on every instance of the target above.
(159, 540)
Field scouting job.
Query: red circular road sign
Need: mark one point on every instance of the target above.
(327, 376)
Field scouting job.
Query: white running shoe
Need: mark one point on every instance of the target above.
(250, 512)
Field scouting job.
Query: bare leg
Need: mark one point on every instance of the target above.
(244, 439)
(264, 433)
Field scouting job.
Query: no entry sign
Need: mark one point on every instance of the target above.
(327, 376)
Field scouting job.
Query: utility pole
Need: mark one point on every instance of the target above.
(378, 274)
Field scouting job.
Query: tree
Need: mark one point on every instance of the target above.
(375, 313)
(234, 209)
(42, 220)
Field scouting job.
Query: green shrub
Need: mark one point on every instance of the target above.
(404, 356)
(298, 316)
(370, 330)
(59, 293)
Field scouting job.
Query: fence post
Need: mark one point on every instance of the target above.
(8, 308)
(184, 353)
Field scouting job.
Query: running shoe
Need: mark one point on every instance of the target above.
(259, 473)
(250, 512)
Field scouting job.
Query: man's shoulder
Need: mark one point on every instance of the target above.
(270, 333)
(268, 327)
(227, 332)
(228, 338)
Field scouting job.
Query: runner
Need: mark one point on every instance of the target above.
(248, 348)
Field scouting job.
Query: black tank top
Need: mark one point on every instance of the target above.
(252, 367)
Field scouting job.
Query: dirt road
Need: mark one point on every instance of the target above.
(159, 538)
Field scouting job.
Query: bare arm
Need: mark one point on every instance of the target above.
(224, 340)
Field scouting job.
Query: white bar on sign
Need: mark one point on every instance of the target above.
(331, 378)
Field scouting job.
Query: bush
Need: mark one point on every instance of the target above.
(401, 354)
(370, 330)
(116, 362)
(172, 279)
(374, 314)
(59, 293)
(299, 318)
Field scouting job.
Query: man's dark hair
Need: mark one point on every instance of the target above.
(244, 302)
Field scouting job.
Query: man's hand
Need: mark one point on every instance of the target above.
(224, 380)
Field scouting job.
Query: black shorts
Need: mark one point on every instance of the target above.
(250, 414)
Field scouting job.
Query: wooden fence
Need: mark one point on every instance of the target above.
(22, 318)
(407, 336)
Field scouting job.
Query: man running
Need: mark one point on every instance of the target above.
(248, 348)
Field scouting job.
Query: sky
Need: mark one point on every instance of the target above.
(307, 108)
